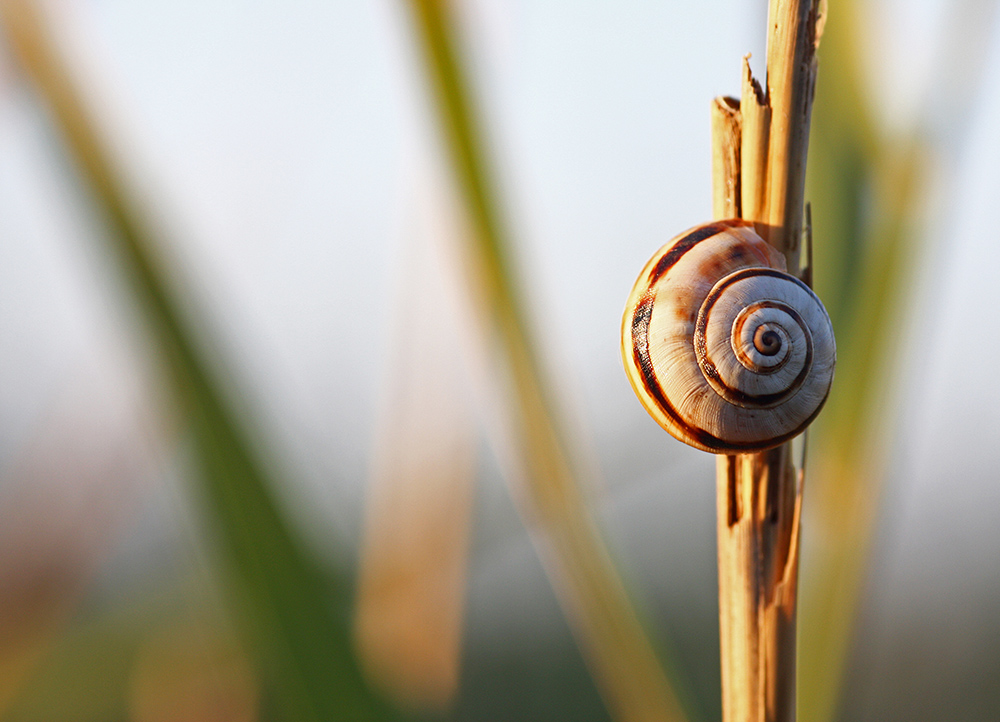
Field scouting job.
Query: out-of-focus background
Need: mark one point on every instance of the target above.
(288, 165)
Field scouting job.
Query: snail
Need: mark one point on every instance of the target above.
(727, 351)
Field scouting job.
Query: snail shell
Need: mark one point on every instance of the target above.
(724, 349)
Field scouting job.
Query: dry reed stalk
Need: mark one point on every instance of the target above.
(726, 128)
(759, 495)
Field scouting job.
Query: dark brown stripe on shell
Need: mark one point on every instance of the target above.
(741, 354)
(685, 244)
(640, 353)
(640, 350)
(733, 395)
(741, 398)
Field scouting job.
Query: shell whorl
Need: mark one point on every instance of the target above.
(725, 350)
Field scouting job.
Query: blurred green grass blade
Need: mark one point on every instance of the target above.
(849, 459)
(868, 189)
(864, 192)
(294, 609)
(618, 653)
(843, 142)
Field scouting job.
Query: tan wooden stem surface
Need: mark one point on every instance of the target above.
(759, 155)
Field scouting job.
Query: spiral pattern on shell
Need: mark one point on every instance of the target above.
(725, 350)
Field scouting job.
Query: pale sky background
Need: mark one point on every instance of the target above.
(283, 146)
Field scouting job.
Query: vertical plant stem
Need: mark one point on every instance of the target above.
(759, 495)
(727, 122)
(753, 148)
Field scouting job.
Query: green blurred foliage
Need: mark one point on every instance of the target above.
(865, 188)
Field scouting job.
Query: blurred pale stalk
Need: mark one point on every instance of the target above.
(290, 603)
(414, 561)
(70, 493)
(544, 464)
